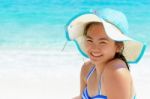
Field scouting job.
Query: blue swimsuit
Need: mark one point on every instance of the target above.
(85, 94)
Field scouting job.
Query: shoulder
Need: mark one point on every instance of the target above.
(86, 67)
(117, 78)
(116, 65)
(116, 68)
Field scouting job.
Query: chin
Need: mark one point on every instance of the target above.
(96, 60)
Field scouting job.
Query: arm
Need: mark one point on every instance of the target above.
(117, 81)
(84, 70)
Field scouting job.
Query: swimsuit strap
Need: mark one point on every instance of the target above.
(99, 82)
(99, 87)
(90, 72)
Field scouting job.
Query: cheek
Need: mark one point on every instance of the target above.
(87, 48)
(87, 45)
(107, 48)
(110, 50)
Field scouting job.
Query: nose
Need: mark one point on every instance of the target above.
(95, 48)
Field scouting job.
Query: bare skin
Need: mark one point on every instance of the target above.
(116, 82)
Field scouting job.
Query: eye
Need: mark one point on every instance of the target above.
(102, 42)
(89, 40)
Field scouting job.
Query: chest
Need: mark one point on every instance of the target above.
(94, 85)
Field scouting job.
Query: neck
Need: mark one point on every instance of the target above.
(99, 69)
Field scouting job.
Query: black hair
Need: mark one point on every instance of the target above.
(121, 56)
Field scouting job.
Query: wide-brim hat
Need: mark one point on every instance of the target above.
(115, 25)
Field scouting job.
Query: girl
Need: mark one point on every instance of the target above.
(100, 38)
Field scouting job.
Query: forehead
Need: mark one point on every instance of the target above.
(96, 30)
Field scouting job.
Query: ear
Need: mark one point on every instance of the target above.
(119, 47)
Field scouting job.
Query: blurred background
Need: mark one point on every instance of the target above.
(40, 23)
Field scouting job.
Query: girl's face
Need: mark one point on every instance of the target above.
(99, 47)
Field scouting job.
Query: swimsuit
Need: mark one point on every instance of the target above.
(85, 94)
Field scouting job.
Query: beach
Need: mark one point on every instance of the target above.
(38, 74)
(32, 35)
(53, 74)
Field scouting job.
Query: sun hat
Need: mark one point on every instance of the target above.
(115, 25)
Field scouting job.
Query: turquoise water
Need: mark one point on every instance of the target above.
(40, 23)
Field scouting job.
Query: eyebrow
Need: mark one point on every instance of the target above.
(103, 38)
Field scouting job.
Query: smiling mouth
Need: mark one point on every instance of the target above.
(96, 54)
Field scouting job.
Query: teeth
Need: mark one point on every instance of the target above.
(96, 54)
